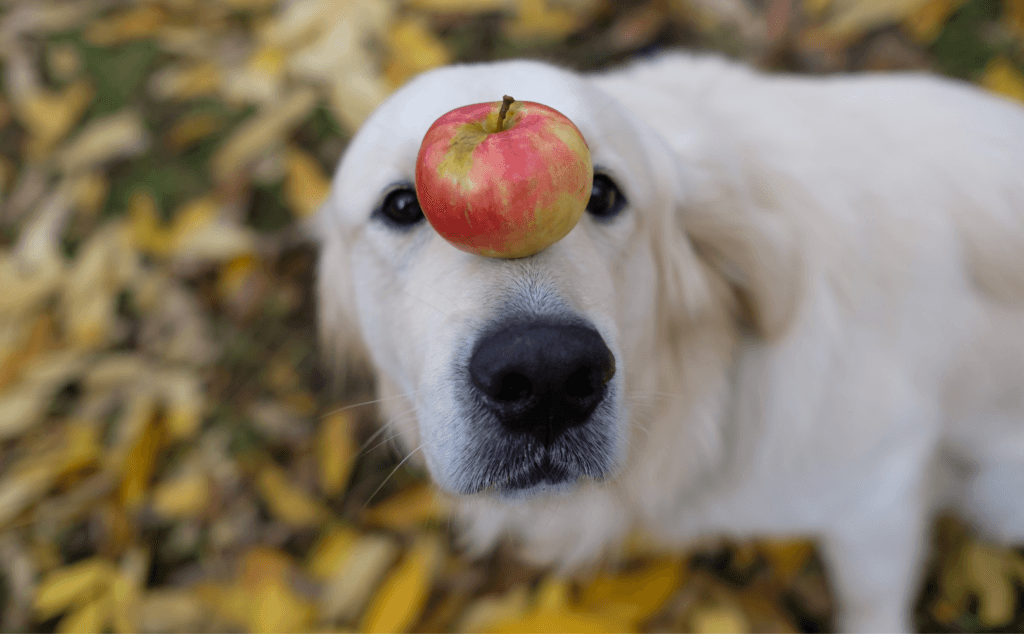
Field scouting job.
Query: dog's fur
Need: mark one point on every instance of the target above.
(815, 301)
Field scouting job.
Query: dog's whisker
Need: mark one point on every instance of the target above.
(443, 314)
(444, 296)
(365, 403)
(393, 472)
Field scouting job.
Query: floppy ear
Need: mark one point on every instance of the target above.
(344, 350)
(736, 231)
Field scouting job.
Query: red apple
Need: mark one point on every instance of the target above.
(503, 179)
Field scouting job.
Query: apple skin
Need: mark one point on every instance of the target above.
(508, 193)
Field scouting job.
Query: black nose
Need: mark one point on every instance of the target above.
(542, 378)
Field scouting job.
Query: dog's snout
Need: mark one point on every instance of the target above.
(542, 378)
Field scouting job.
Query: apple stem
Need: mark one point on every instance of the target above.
(506, 102)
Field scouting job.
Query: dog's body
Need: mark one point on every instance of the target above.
(814, 298)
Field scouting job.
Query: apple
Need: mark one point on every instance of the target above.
(503, 179)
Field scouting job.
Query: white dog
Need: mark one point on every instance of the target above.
(808, 292)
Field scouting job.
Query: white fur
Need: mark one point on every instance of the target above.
(815, 299)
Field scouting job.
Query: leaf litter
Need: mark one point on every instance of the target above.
(171, 459)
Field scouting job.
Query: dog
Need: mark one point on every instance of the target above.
(808, 294)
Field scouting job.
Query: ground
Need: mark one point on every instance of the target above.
(172, 458)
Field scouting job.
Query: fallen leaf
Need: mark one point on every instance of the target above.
(89, 618)
(259, 132)
(186, 81)
(134, 24)
(286, 501)
(336, 452)
(460, 6)
(260, 80)
(192, 129)
(139, 466)
(850, 18)
(115, 136)
(331, 550)
(510, 606)
(413, 48)
(183, 496)
(184, 403)
(400, 601)
(48, 116)
(718, 619)
(171, 610)
(410, 508)
(1003, 77)
(925, 24)
(273, 604)
(25, 485)
(352, 583)
(65, 586)
(634, 596)
(305, 186)
(538, 20)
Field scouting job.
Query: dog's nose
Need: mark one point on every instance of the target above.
(542, 378)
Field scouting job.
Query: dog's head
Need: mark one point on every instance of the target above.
(513, 378)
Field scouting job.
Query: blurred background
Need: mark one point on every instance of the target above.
(172, 458)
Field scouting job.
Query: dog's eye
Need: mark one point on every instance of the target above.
(402, 208)
(605, 198)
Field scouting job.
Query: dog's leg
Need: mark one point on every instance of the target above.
(995, 500)
(874, 564)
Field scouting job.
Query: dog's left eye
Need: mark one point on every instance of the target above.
(402, 208)
(606, 201)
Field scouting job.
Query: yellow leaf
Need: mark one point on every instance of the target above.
(718, 619)
(273, 605)
(91, 617)
(171, 610)
(24, 486)
(147, 232)
(787, 557)
(1001, 76)
(287, 502)
(183, 82)
(988, 569)
(191, 129)
(355, 94)
(133, 24)
(816, 8)
(351, 584)
(400, 601)
(412, 507)
(49, 116)
(66, 586)
(484, 612)
(260, 80)
(22, 407)
(538, 20)
(637, 595)
(118, 135)
(336, 452)
(184, 403)
(139, 465)
(305, 186)
(260, 132)
(459, 6)
(81, 446)
(1013, 17)
(331, 550)
(199, 233)
(413, 49)
(553, 612)
(90, 193)
(853, 17)
(124, 601)
(925, 24)
(184, 496)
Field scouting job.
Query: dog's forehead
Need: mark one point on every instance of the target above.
(383, 152)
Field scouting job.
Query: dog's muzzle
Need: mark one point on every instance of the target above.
(542, 378)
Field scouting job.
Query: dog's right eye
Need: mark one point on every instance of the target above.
(401, 207)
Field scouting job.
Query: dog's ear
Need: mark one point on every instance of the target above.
(737, 234)
(344, 351)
